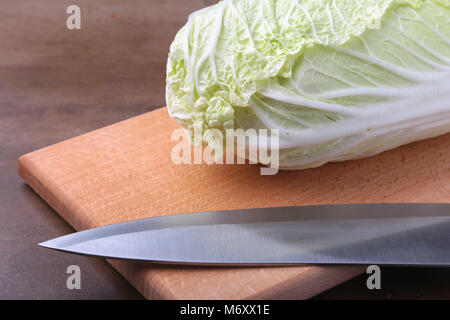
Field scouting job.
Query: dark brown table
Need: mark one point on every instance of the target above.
(56, 84)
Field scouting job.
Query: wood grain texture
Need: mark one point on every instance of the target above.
(124, 172)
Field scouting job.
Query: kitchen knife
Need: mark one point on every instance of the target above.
(383, 234)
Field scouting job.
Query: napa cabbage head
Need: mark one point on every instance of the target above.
(340, 79)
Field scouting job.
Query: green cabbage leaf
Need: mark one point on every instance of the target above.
(340, 79)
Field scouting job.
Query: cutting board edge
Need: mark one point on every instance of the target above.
(311, 285)
(30, 172)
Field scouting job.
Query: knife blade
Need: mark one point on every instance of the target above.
(382, 234)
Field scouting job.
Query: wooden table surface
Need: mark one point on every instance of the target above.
(56, 84)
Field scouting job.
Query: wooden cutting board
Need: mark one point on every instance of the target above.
(124, 172)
